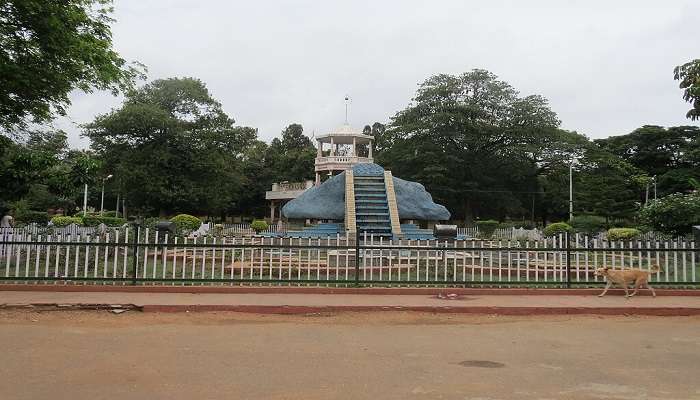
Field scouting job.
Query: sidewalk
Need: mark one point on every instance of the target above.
(291, 303)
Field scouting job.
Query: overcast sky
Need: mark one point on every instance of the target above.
(605, 66)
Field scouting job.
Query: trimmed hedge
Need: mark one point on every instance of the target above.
(623, 233)
(186, 222)
(29, 217)
(258, 225)
(487, 227)
(557, 228)
(61, 221)
(517, 225)
(93, 220)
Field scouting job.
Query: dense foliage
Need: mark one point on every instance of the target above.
(61, 221)
(689, 76)
(622, 233)
(487, 228)
(557, 228)
(48, 49)
(588, 224)
(676, 213)
(258, 225)
(186, 222)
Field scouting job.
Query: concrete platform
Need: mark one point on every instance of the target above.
(302, 303)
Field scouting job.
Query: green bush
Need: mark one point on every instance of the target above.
(186, 222)
(674, 214)
(623, 233)
(487, 227)
(93, 220)
(61, 221)
(557, 228)
(517, 225)
(589, 224)
(113, 221)
(258, 225)
(38, 217)
(150, 222)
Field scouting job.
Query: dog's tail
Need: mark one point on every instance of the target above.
(655, 268)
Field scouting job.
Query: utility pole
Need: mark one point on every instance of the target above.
(102, 202)
(571, 190)
(85, 201)
(646, 196)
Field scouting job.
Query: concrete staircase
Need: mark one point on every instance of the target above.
(371, 206)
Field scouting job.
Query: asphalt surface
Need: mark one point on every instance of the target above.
(391, 355)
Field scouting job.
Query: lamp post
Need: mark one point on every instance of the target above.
(574, 158)
(571, 190)
(102, 202)
(85, 201)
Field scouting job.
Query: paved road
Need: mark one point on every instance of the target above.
(98, 355)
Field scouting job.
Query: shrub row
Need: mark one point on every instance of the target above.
(88, 220)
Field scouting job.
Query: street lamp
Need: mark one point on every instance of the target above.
(571, 187)
(85, 201)
(571, 190)
(102, 203)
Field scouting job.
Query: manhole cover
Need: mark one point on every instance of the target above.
(482, 364)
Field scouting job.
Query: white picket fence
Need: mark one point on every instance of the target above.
(504, 233)
(152, 257)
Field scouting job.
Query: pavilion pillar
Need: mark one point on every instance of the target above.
(354, 147)
(332, 147)
(320, 149)
(370, 149)
(272, 211)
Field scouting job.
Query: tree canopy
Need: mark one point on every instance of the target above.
(173, 148)
(670, 154)
(48, 49)
(475, 143)
(689, 76)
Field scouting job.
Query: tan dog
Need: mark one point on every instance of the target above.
(625, 277)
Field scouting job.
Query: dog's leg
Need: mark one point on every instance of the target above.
(637, 285)
(607, 286)
(627, 293)
(653, 293)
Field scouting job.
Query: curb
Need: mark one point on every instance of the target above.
(296, 310)
(327, 290)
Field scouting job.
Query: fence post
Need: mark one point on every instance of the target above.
(357, 259)
(135, 257)
(568, 260)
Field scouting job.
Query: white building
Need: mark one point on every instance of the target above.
(338, 151)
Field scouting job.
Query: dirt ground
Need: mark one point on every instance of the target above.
(390, 355)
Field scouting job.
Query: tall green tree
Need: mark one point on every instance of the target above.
(475, 143)
(607, 185)
(689, 76)
(291, 157)
(173, 149)
(672, 155)
(48, 49)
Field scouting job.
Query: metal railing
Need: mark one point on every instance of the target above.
(144, 257)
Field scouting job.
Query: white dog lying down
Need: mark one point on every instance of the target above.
(626, 277)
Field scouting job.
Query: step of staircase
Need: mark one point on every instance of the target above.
(371, 206)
